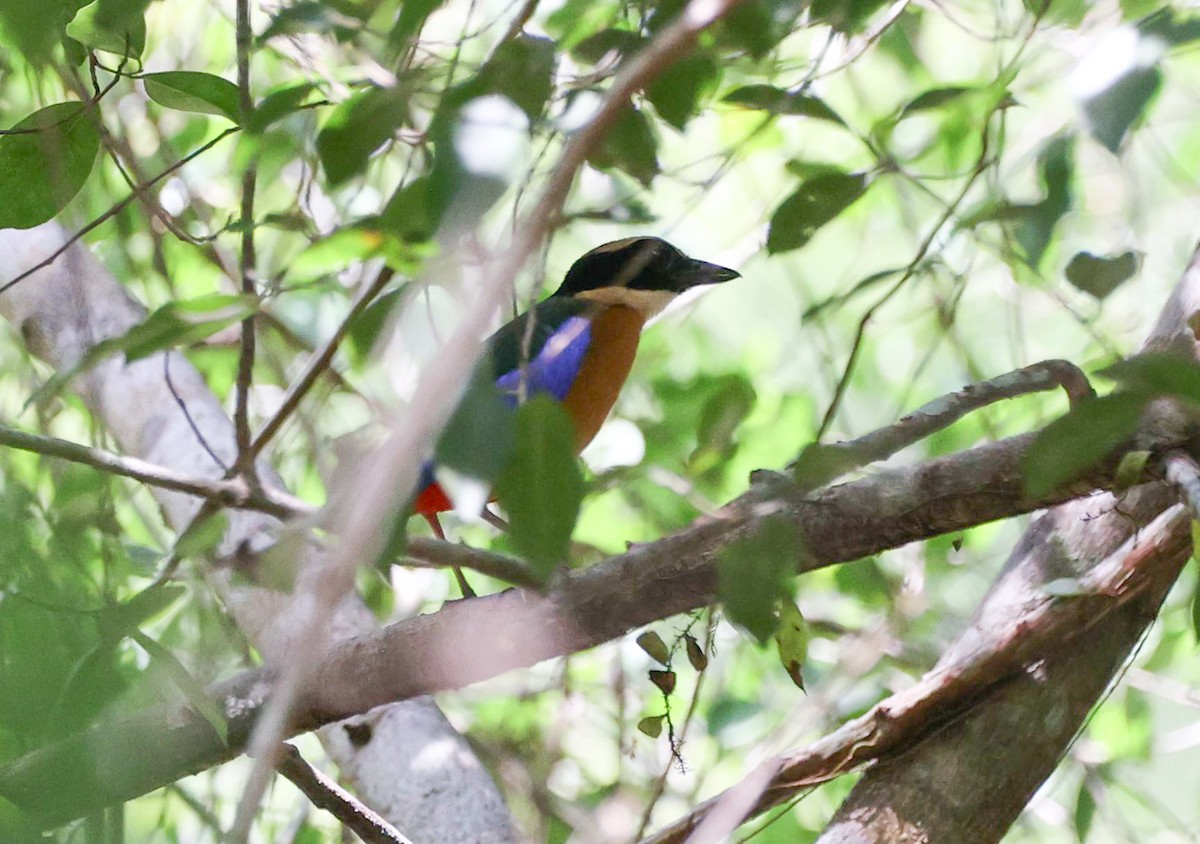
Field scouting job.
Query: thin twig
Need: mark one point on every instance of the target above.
(319, 363)
(911, 270)
(187, 413)
(244, 464)
(822, 463)
(229, 493)
(434, 553)
(326, 794)
(116, 209)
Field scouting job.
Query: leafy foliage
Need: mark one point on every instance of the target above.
(940, 195)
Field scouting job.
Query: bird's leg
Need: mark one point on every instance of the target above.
(494, 520)
(436, 525)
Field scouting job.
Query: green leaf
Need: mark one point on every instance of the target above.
(815, 203)
(181, 323)
(33, 28)
(521, 69)
(778, 101)
(1085, 811)
(791, 641)
(306, 17)
(595, 47)
(174, 324)
(1101, 276)
(364, 331)
(1114, 110)
(277, 105)
(188, 90)
(935, 98)
(116, 621)
(1037, 225)
(654, 646)
(192, 689)
(358, 127)
(1073, 444)
(203, 537)
(678, 91)
(756, 572)
(848, 16)
(45, 163)
(758, 26)
(112, 26)
(723, 412)
(478, 439)
(630, 147)
(541, 489)
(1167, 24)
(1159, 374)
(1196, 590)
(330, 255)
(413, 14)
(651, 725)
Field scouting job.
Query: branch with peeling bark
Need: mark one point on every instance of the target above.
(1148, 564)
(468, 641)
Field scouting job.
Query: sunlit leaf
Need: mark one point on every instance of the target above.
(935, 98)
(45, 163)
(791, 641)
(1071, 445)
(187, 90)
(1101, 276)
(113, 26)
(542, 487)
(817, 201)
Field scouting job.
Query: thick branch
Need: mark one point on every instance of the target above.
(472, 640)
(1143, 568)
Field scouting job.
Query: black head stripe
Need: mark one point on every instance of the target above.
(643, 263)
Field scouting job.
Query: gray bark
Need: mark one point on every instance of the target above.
(410, 765)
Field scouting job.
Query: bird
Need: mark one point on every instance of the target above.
(583, 339)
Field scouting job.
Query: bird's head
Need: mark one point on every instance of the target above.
(644, 273)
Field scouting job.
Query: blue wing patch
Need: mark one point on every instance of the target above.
(555, 367)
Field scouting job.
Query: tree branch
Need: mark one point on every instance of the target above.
(1052, 624)
(230, 493)
(517, 628)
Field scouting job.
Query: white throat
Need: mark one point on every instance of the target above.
(648, 303)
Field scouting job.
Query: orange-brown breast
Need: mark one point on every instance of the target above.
(614, 341)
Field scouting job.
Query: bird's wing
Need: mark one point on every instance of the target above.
(559, 339)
